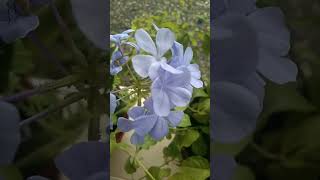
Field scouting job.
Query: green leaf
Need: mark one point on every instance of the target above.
(243, 173)
(10, 172)
(148, 142)
(199, 93)
(185, 122)
(196, 162)
(231, 149)
(172, 151)
(284, 98)
(159, 173)
(200, 146)
(130, 167)
(195, 167)
(186, 138)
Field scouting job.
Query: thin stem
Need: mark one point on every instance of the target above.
(140, 163)
(67, 37)
(52, 109)
(46, 53)
(66, 81)
(265, 153)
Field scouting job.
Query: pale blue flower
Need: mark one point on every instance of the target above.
(169, 90)
(143, 121)
(113, 103)
(183, 62)
(117, 60)
(118, 38)
(148, 65)
(12, 24)
(236, 76)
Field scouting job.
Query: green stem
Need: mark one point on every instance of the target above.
(139, 162)
(265, 153)
(70, 100)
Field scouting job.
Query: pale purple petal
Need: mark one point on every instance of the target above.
(179, 96)
(148, 104)
(188, 54)
(169, 68)
(136, 112)
(256, 85)
(194, 70)
(235, 61)
(175, 118)
(154, 70)
(161, 102)
(142, 63)
(235, 112)
(11, 31)
(91, 17)
(176, 80)
(177, 54)
(160, 129)
(277, 69)
(196, 83)
(136, 139)
(145, 42)
(164, 40)
(273, 34)
(144, 124)
(125, 124)
(113, 103)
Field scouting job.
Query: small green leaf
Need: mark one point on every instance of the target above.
(159, 173)
(130, 166)
(199, 93)
(186, 138)
(185, 122)
(284, 98)
(200, 146)
(172, 151)
(196, 162)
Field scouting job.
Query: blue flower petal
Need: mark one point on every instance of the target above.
(83, 160)
(164, 41)
(145, 42)
(242, 62)
(136, 139)
(136, 112)
(125, 124)
(160, 129)
(92, 18)
(235, 112)
(175, 118)
(277, 69)
(10, 134)
(17, 28)
(142, 63)
(144, 124)
(160, 98)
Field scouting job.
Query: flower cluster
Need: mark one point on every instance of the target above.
(173, 79)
